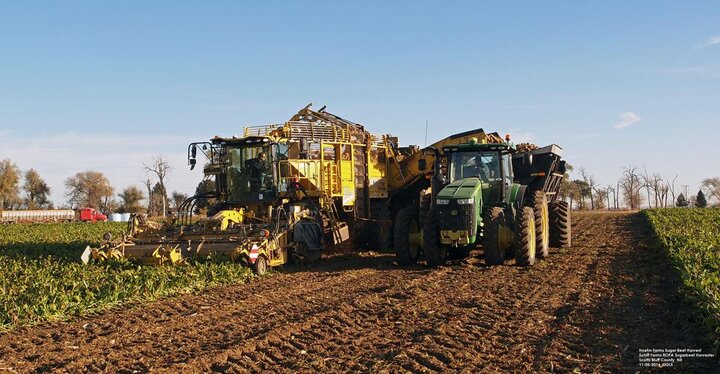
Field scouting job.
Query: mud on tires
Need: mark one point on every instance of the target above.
(435, 252)
(538, 202)
(560, 225)
(406, 223)
(493, 252)
(526, 242)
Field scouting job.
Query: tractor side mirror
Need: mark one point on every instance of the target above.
(422, 164)
(193, 151)
(192, 163)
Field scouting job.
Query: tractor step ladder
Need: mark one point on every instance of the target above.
(340, 230)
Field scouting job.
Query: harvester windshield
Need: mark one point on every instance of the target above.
(483, 165)
(250, 172)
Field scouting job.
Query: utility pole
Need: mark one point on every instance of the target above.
(426, 129)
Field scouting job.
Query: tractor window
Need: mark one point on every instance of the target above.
(483, 165)
(249, 172)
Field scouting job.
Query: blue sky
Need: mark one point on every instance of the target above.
(99, 85)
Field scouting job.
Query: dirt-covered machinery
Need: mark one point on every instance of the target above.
(281, 192)
(484, 191)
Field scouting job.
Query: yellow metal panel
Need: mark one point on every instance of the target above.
(377, 172)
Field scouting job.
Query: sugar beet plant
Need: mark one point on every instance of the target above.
(41, 278)
(692, 238)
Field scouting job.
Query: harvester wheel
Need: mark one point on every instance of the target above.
(435, 252)
(260, 266)
(425, 202)
(526, 242)
(560, 225)
(493, 250)
(538, 202)
(406, 233)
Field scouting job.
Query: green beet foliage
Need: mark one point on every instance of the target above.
(42, 279)
(692, 239)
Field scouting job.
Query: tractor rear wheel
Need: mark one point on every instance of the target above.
(560, 225)
(435, 252)
(538, 202)
(493, 250)
(405, 236)
(526, 242)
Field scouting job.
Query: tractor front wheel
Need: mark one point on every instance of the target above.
(435, 252)
(493, 249)
(406, 236)
(526, 242)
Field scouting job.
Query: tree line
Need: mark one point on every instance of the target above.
(636, 188)
(28, 190)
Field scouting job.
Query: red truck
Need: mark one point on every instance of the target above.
(91, 215)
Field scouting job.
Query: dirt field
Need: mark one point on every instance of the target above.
(591, 307)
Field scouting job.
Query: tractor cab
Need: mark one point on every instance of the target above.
(489, 166)
(479, 176)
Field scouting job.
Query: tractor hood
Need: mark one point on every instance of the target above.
(461, 189)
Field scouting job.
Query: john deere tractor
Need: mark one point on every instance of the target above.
(477, 199)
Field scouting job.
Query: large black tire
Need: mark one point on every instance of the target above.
(560, 225)
(406, 223)
(425, 202)
(435, 252)
(493, 252)
(538, 202)
(525, 245)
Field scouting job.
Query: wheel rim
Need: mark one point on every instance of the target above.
(533, 239)
(261, 265)
(545, 227)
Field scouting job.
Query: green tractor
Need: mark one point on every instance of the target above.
(479, 200)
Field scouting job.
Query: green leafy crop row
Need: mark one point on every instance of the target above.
(41, 278)
(692, 238)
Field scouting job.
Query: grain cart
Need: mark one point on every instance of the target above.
(476, 198)
(542, 170)
(281, 191)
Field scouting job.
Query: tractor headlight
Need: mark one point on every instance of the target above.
(466, 201)
(442, 202)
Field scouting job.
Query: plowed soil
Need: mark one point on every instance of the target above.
(589, 308)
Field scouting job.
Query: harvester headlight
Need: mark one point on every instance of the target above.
(466, 201)
(442, 202)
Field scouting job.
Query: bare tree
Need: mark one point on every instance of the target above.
(160, 167)
(590, 183)
(671, 188)
(610, 190)
(631, 185)
(658, 187)
(712, 185)
(600, 195)
(647, 184)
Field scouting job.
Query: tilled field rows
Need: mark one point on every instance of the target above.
(590, 307)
